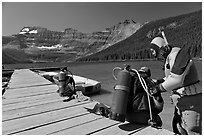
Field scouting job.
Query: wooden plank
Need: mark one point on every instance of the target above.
(166, 132)
(89, 128)
(149, 131)
(27, 105)
(62, 125)
(21, 92)
(25, 77)
(23, 72)
(38, 109)
(33, 121)
(30, 99)
(30, 95)
(121, 129)
(24, 85)
(11, 96)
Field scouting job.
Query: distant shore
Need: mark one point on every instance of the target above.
(56, 65)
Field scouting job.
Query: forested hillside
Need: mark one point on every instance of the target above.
(182, 31)
(13, 56)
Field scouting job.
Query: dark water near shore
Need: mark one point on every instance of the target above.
(102, 71)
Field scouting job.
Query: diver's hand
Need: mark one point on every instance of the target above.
(159, 81)
(157, 90)
(161, 29)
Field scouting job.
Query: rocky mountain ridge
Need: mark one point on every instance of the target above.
(35, 41)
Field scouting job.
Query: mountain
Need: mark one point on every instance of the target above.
(182, 31)
(41, 44)
(125, 40)
(86, 44)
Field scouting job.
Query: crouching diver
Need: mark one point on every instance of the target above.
(66, 83)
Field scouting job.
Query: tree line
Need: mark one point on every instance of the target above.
(181, 31)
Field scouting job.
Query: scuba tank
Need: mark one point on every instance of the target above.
(121, 94)
(66, 83)
(62, 82)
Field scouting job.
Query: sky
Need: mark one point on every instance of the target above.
(84, 16)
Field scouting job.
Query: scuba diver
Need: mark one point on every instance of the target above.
(66, 84)
(181, 78)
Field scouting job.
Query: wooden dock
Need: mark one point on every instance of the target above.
(31, 106)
